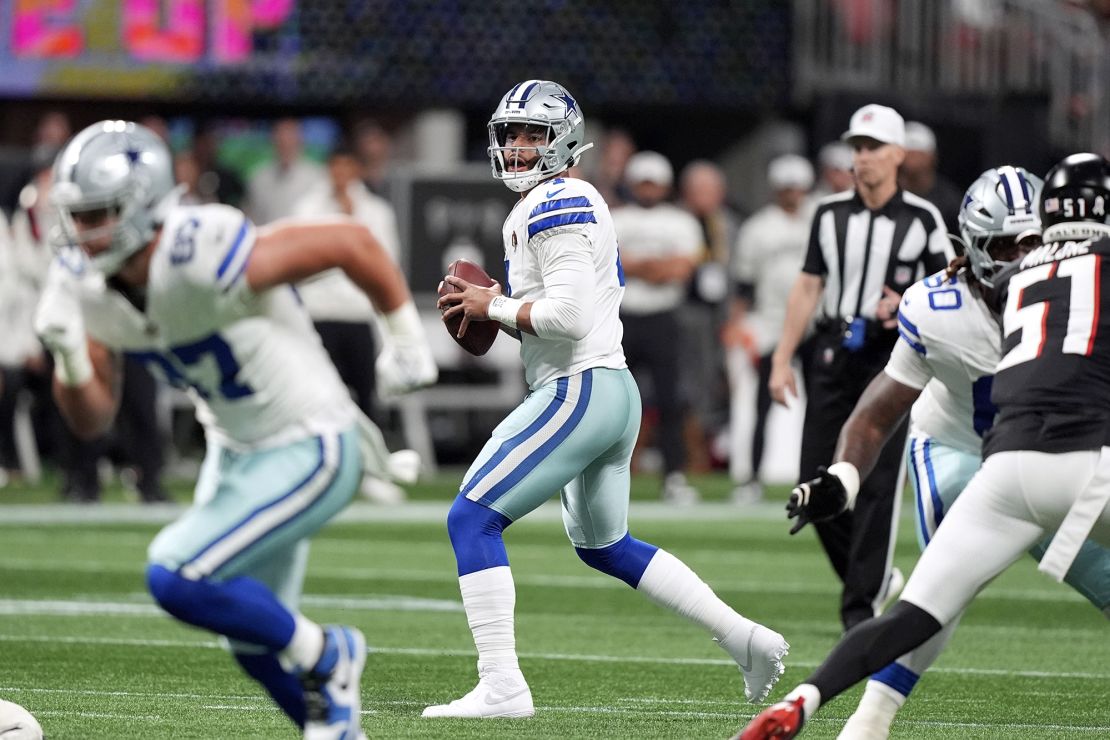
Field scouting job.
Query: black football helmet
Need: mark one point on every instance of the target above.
(1075, 202)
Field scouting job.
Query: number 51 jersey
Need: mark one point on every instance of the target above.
(1052, 385)
(252, 363)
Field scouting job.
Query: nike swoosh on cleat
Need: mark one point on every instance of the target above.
(751, 637)
(553, 193)
(505, 697)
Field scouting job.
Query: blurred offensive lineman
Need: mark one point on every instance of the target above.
(575, 431)
(943, 367)
(202, 296)
(1042, 470)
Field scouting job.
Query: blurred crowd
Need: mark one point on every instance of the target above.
(704, 303)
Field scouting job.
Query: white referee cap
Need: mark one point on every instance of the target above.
(877, 122)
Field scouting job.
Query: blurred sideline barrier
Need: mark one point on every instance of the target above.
(988, 48)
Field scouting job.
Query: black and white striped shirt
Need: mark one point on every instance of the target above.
(858, 250)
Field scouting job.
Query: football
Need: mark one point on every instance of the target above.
(16, 723)
(479, 334)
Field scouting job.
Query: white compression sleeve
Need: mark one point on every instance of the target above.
(567, 309)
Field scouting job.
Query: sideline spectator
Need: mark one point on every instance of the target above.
(659, 248)
(769, 253)
(918, 174)
(275, 188)
(835, 162)
(703, 192)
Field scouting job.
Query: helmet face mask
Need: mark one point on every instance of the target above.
(549, 108)
(112, 183)
(998, 219)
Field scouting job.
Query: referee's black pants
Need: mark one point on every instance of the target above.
(859, 542)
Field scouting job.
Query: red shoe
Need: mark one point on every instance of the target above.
(782, 720)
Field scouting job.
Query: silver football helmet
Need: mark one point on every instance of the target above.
(537, 103)
(999, 209)
(120, 167)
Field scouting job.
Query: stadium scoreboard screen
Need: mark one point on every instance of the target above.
(127, 47)
(393, 52)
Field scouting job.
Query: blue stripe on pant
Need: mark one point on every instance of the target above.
(519, 455)
(263, 504)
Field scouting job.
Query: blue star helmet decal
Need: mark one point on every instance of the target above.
(133, 155)
(568, 101)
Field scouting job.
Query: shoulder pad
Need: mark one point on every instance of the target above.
(209, 244)
(562, 204)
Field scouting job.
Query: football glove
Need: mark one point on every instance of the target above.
(830, 494)
(405, 362)
(60, 326)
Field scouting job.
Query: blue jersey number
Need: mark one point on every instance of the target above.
(212, 346)
(984, 409)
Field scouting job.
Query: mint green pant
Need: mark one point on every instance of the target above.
(254, 511)
(575, 436)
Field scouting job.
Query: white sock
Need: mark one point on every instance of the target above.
(489, 597)
(304, 650)
(670, 583)
(811, 695)
(880, 702)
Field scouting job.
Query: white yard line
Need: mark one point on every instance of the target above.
(733, 712)
(569, 657)
(1050, 593)
(9, 607)
(415, 512)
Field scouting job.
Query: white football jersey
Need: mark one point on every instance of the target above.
(560, 206)
(949, 344)
(252, 363)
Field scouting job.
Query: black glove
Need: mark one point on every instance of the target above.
(817, 500)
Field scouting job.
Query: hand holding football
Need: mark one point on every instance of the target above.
(479, 335)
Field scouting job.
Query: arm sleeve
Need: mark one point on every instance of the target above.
(567, 309)
(815, 259)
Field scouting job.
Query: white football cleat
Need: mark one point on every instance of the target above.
(498, 694)
(331, 689)
(758, 653)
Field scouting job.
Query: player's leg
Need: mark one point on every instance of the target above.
(595, 514)
(200, 567)
(283, 573)
(544, 443)
(1089, 574)
(987, 530)
(938, 474)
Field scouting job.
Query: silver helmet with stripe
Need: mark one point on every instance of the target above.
(546, 105)
(999, 210)
(122, 171)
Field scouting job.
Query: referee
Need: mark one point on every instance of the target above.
(866, 246)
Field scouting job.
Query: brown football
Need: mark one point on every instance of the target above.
(479, 334)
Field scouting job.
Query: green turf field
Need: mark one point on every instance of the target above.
(83, 647)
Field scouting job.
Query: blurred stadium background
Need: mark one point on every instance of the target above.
(408, 87)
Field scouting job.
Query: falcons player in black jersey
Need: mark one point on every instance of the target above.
(1041, 472)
